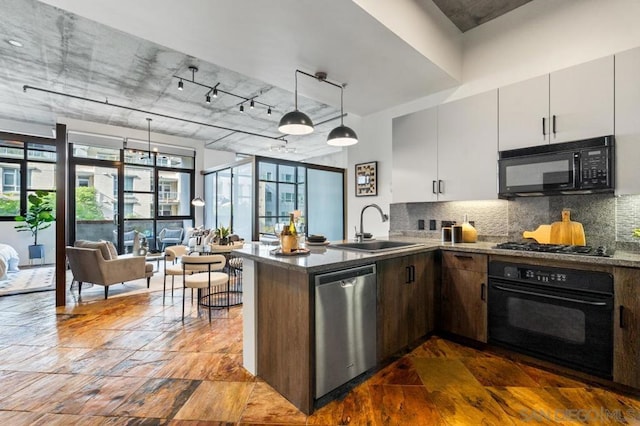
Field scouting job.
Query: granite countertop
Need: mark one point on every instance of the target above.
(322, 259)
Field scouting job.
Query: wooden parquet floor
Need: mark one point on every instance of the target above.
(131, 360)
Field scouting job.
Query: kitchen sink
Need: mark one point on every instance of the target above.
(375, 246)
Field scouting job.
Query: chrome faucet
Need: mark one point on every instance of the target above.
(360, 235)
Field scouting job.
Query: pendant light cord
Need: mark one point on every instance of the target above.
(149, 135)
(296, 90)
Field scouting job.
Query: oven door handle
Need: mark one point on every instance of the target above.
(549, 296)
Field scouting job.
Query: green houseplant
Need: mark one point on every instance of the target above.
(222, 234)
(38, 217)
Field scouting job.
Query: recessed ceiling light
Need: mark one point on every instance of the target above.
(14, 43)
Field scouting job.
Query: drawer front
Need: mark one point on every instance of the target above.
(466, 261)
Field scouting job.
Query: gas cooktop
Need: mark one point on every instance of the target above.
(556, 248)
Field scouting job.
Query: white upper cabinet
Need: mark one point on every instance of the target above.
(628, 122)
(415, 156)
(581, 101)
(566, 105)
(467, 148)
(523, 111)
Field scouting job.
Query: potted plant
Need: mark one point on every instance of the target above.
(39, 216)
(222, 234)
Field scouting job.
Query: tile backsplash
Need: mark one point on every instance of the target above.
(607, 220)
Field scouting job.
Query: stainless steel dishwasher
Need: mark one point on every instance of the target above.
(345, 326)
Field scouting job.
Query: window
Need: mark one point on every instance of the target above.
(128, 183)
(10, 180)
(31, 161)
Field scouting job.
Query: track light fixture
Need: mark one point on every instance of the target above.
(213, 91)
(298, 123)
(241, 107)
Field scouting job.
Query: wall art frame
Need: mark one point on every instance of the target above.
(367, 179)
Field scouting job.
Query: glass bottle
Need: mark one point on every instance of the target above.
(292, 226)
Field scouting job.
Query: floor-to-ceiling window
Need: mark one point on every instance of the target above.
(229, 199)
(278, 188)
(122, 192)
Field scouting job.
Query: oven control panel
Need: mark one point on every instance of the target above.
(559, 277)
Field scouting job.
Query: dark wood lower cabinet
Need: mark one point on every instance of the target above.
(284, 330)
(405, 301)
(463, 295)
(626, 328)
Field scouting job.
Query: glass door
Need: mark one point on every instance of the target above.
(95, 194)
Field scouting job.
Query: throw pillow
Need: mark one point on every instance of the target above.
(113, 253)
(102, 246)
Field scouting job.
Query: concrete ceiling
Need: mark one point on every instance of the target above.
(468, 14)
(127, 52)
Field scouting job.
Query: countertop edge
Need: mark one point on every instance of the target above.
(620, 258)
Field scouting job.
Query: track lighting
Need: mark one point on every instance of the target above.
(214, 90)
(295, 122)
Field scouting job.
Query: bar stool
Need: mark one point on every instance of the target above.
(172, 255)
(208, 277)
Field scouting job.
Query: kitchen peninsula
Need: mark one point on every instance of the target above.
(279, 310)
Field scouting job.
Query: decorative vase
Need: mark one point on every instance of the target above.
(469, 233)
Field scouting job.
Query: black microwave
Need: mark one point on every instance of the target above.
(579, 167)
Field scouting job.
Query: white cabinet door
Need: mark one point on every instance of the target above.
(581, 100)
(415, 156)
(523, 111)
(628, 122)
(467, 148)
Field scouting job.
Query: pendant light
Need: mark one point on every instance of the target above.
(296, 122)
(197, 202)
(342, 135)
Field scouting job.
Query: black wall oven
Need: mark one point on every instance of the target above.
(561, 315)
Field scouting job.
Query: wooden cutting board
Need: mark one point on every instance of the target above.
(567, 231)
(542, 235)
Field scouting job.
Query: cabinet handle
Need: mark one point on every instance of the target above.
(433, 187)
(554, 124)
(463, 256)
(621, 319)
(544, 126)
(440, 191)
(407, 274)
(413, 273)
(482, 292)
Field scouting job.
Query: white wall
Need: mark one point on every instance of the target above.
(21, 240)
(422, 26)
(540, 37)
